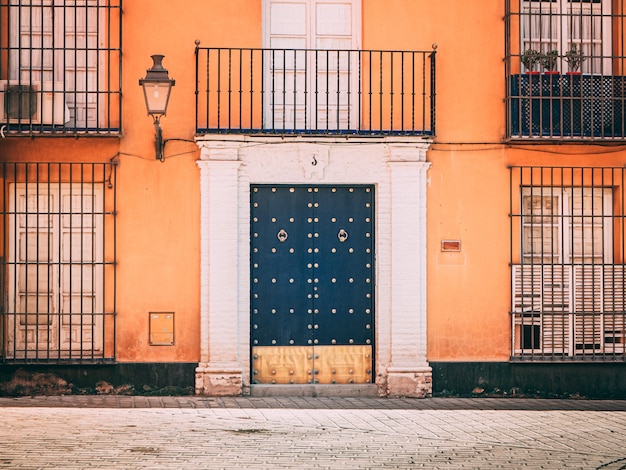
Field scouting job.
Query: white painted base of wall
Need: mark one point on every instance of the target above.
(397, 168)
(213, 380)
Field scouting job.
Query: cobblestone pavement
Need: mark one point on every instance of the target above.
(336, 433)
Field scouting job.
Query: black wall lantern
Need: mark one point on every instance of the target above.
(157, 86)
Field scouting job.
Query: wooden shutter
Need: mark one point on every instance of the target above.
(588, 293)
(614, 309)
(557, 294)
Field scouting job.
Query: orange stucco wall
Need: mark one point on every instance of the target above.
(158, 238)
(158, 203)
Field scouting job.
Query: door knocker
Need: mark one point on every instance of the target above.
(282, 236)
(342, 235)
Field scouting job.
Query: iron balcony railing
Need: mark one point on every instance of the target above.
(588, 107)
(309, 91)
(60, 67)
(564, 68)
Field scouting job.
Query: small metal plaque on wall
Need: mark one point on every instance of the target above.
(451, 245)
(161, 328)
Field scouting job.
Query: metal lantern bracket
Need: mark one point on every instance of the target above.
(157, 86)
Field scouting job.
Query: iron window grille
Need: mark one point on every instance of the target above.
(311, 91)
(58, 264)
(568, 274)
(60, 67)
(552, 96)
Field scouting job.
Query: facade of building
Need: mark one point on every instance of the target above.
(347, 196)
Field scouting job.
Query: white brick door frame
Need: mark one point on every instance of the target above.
(398, 170)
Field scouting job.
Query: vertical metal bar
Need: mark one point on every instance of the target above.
(273, 91)
(511, 259)
(295, 88)
(13, 258)
(251, 52)
(4, 261)
(264, 105)
(119, 63)
(507, 68)
(75, 68)
(219, 89)
(349, 89)
(391, 70)
(230, 87)
(36, 258)
(240, 63)
(100, 221)
(360, 91)
(15, 306)
(107, 55)
(402, 53)
(93, 262)
(424, 88)
(284, 90)
(433, 92)
(413, 93)
(566, 237)
(24, 264)
(208, 88)
(87, 93)
(49, 254)
(53, 80)
(316, 79)
(327, 92)
(380, 91)
(67, 264)
(622, 302)
(81, 263)
(196, 91)
(370, 92)
(542, 254)
(338, 52)
(114, 173)
(532, 260)
(307, 53)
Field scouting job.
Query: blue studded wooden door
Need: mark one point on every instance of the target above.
(312, 284)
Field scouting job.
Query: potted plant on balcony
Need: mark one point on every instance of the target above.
(530, 58)
(548, 61)
(529, 88)
(574, 58)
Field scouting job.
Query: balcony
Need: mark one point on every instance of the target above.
(315, 92)
(569, 106)
(60, 68)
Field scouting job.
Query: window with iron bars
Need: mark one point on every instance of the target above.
(567, 263)
(60, 66)
(564, 68)
(58, 264)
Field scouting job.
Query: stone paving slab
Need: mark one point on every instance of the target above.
(135, 401)
(215, 433)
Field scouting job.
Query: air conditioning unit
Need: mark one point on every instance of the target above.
(33, 103)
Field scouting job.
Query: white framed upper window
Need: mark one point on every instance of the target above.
(563, 24)
(308, 89)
